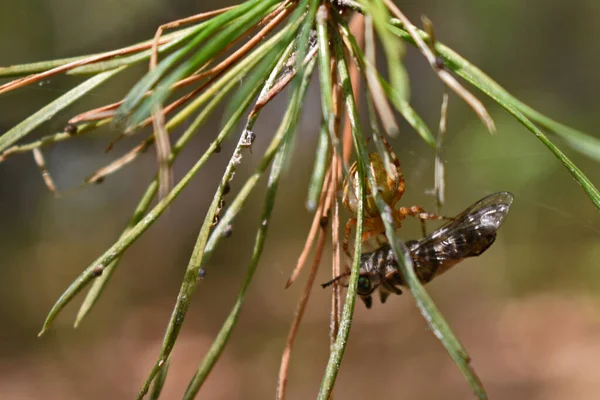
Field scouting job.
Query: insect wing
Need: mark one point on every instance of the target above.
(499, 202)
(467, 235)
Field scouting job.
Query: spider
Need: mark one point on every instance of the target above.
(391, 188)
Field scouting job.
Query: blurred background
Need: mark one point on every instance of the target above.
(527, 311)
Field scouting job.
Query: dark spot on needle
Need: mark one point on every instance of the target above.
(439, 62)
(71, 129)
(324, 221)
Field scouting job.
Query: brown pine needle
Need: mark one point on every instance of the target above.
(382, 106)
(119, 163)
(281, 84)
(161, 136)
(41, 164)
(302, 302)
(18, 83)
(241, 52)
(275, 17)
(214, 74)
(357, 27)
(178, 23)
(328, 193)
(313, 230)
(336, 302)
(165, 110)
(440, 171)
(96, 113)
(163, 150)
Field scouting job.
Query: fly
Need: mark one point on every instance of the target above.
(469, 234)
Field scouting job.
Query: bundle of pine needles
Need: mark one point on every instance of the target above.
(270, 45)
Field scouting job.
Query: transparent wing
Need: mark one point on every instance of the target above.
(469, 233)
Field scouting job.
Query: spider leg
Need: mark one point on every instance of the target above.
(420, 213)
(369, 233)
(371, 227)
(400, 190)
(390, 151)
(396, 162)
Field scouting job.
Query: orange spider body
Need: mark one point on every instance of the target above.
(391, 188)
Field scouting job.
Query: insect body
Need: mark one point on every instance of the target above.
(468, 235)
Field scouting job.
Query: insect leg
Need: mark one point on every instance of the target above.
(368, 300)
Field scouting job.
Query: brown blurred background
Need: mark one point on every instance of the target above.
(528, 310)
